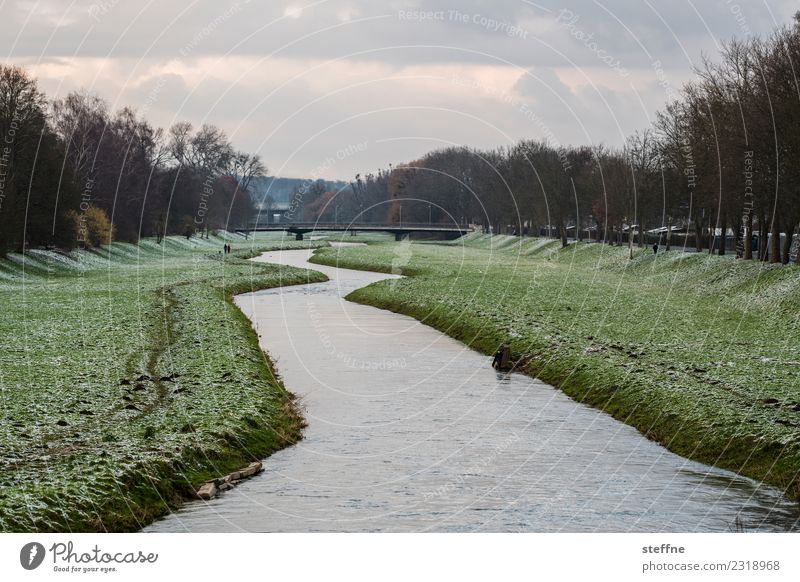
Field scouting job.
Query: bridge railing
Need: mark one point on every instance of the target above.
(356, 225)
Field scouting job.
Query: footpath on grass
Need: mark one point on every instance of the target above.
(128, 378)
(698, 352)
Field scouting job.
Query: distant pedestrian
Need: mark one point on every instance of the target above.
(655, 249)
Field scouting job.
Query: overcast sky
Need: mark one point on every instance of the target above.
(334, 87)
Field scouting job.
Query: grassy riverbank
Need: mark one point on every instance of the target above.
(697, 352)
(127, 377)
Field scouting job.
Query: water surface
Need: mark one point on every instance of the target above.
(410, 430)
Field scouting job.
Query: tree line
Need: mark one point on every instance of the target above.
(719, 170)
(74, 173)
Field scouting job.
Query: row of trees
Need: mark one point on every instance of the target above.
(720, 168)
(65, 163)
(722, 158)
(362, 200)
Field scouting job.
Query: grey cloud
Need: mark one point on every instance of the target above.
(258, 27)
(141, 42)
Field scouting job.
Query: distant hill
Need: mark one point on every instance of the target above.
(281, 189)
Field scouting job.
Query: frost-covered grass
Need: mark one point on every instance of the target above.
(127, 376)
(698, 352)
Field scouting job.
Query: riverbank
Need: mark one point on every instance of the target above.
(129, 378)
(697, 352)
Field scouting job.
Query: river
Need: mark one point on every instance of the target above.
(410, 430)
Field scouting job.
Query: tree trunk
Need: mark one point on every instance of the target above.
(775, 241)
(669, 232)
(641, 234)
(723, 236)
(748, 236)
(712, 238)
(563, 233)
(787, 244)
(762, 237)
(698, 234)
(630, 241)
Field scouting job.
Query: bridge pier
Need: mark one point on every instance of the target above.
(298, 232)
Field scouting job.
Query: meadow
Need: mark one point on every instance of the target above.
(698, 352)
(128, 377)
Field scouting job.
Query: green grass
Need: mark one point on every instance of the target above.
(127, 377)
(699, 353)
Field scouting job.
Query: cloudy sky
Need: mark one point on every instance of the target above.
(334, 87)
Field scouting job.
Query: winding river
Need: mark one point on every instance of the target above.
(410, 430)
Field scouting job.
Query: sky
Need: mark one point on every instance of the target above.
(330, 88)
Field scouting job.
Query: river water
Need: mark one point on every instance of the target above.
(410, 430)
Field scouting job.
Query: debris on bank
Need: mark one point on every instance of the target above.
(210, 489)
(502, 361)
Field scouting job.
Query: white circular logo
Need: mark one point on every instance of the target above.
(31, 555)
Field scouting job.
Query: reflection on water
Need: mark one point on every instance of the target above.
(409, 430)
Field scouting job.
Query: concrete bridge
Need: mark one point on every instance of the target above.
(400, 231)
